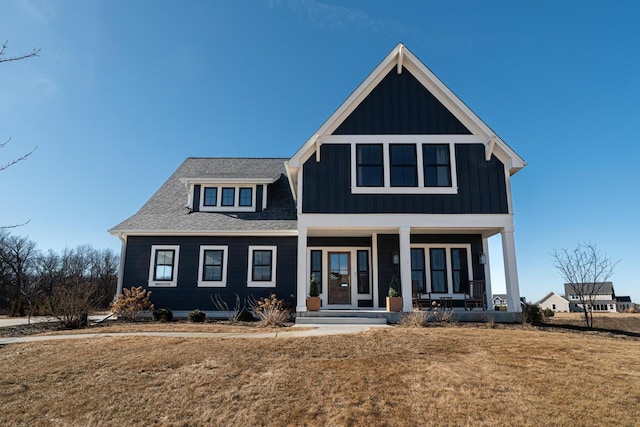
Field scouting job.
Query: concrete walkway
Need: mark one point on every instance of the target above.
(319, 330)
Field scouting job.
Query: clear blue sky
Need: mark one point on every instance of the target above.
(123, 91)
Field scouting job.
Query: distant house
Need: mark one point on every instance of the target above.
(603, 300)
(554, 302)
(403, 180)
(623, 303)
(499, 300)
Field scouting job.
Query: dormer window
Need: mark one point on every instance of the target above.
(210, 196)
(227, 194)
(246, 196)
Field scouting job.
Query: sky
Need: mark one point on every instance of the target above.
(123, 91)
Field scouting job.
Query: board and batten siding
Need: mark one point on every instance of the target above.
(481, 187)
(187, 295)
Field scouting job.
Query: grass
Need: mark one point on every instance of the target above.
(398, 376)
(629, 322)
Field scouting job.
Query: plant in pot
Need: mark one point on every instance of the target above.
(313, 300)
(394, 300)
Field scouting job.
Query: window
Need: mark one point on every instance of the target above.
(553, 306)
(163, 267)
(438, 259)
(459, 270)
(246, 196)
(212, 270)
(262, 266)
(403, 170)
(370, 168)
(363, 272)
(437, 165)
(316, 267)
(210, 196)
(228, 196)
(417, 270)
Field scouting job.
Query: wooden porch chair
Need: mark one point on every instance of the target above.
(476, 295)
(419, 301)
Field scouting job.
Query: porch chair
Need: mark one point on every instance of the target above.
(476, 295)
(419, 301)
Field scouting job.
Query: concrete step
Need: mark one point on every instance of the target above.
(325, 320)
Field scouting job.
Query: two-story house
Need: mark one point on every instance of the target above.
(403, 180)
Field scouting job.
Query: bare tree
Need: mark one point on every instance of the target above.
(17, 255)
(585, 269)
(33, 53)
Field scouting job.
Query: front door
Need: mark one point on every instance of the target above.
(339, 278)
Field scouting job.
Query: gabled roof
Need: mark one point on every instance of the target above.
(549, 295)
(166, 212)
(402, 59)
(603, 288)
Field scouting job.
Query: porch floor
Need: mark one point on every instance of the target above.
(374, 316)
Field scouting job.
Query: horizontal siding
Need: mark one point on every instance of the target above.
(400, 105)
(481, 187)
(187, 295)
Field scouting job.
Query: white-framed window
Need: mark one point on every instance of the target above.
(163, 266)
(212, 266)
(405, 164)
(228, 198)
(261, 272)
(441, 268)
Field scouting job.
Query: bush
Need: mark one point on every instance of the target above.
(547, 312)
(71, 303)
(394, 287)
(131, 303)
(314, 287)
(270, 311)
(162, 315)
(197, 316)
(531, 314)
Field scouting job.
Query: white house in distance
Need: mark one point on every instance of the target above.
(603, 301)
(554, 302)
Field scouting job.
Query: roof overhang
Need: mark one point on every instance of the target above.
(189, 181)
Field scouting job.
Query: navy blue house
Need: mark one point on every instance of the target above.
(402, 180)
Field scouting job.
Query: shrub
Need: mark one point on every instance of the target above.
(394, 287)
(547, 312)
(234, 315)
(531, 314)
(131, 303)
(314, 287)
(197, 316)
(270, 311)
(415, 319)
(162, 315)
(71, 303)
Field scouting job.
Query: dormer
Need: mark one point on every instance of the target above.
(227, 194)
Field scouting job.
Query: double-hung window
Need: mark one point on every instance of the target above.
(262, 266)
(459, 270)
(163, 267)
(210, 196)
(417, 271)
(438, 261)
(403, 165)
(369, 165)
(246, 197)
(441, 268)
(212, 269)
(228, 196)
(437, 165)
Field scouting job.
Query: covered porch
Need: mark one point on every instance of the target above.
(355, 265)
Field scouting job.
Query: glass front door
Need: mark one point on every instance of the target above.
(339, 278)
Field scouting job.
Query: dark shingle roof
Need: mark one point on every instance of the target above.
(603, 288)
(166, 210)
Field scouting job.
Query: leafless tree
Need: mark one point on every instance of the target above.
(31, 54)
(584, 269)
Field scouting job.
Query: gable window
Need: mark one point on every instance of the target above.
(370, 166)
(228, 196)
(403, 165)
(210, 196)
(246, 198)
(212, 270)
(163, 268)
(437, 165)
(262, 266)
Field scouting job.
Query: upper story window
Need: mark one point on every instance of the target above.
(437, 165)
(370, 166)
(163, 268)
(403, 165)
(210, 196)
(231, 198)
(228, 196)
(246, 197)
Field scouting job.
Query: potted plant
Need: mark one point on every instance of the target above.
(313, 300)
(394, 300)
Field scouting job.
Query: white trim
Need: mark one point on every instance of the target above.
(374, 269)
(236, 199)
(427, 265)
(264, 196)
(136, 232)
(123, 252)
(386, 141)
(230, 181)
(487, 272)
(176, 262)
(212, 283)
(400, 58)
(274, 261)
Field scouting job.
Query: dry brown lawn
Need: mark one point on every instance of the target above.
(618, 321)
(397, 376)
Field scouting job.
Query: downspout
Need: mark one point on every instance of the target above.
(123, 252)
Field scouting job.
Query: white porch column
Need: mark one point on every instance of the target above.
(510, 270)
(374, 270)
(123, 254)
(302, 279)
(405, 268)
(487, 274)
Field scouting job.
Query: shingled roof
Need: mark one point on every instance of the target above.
(166, 211)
